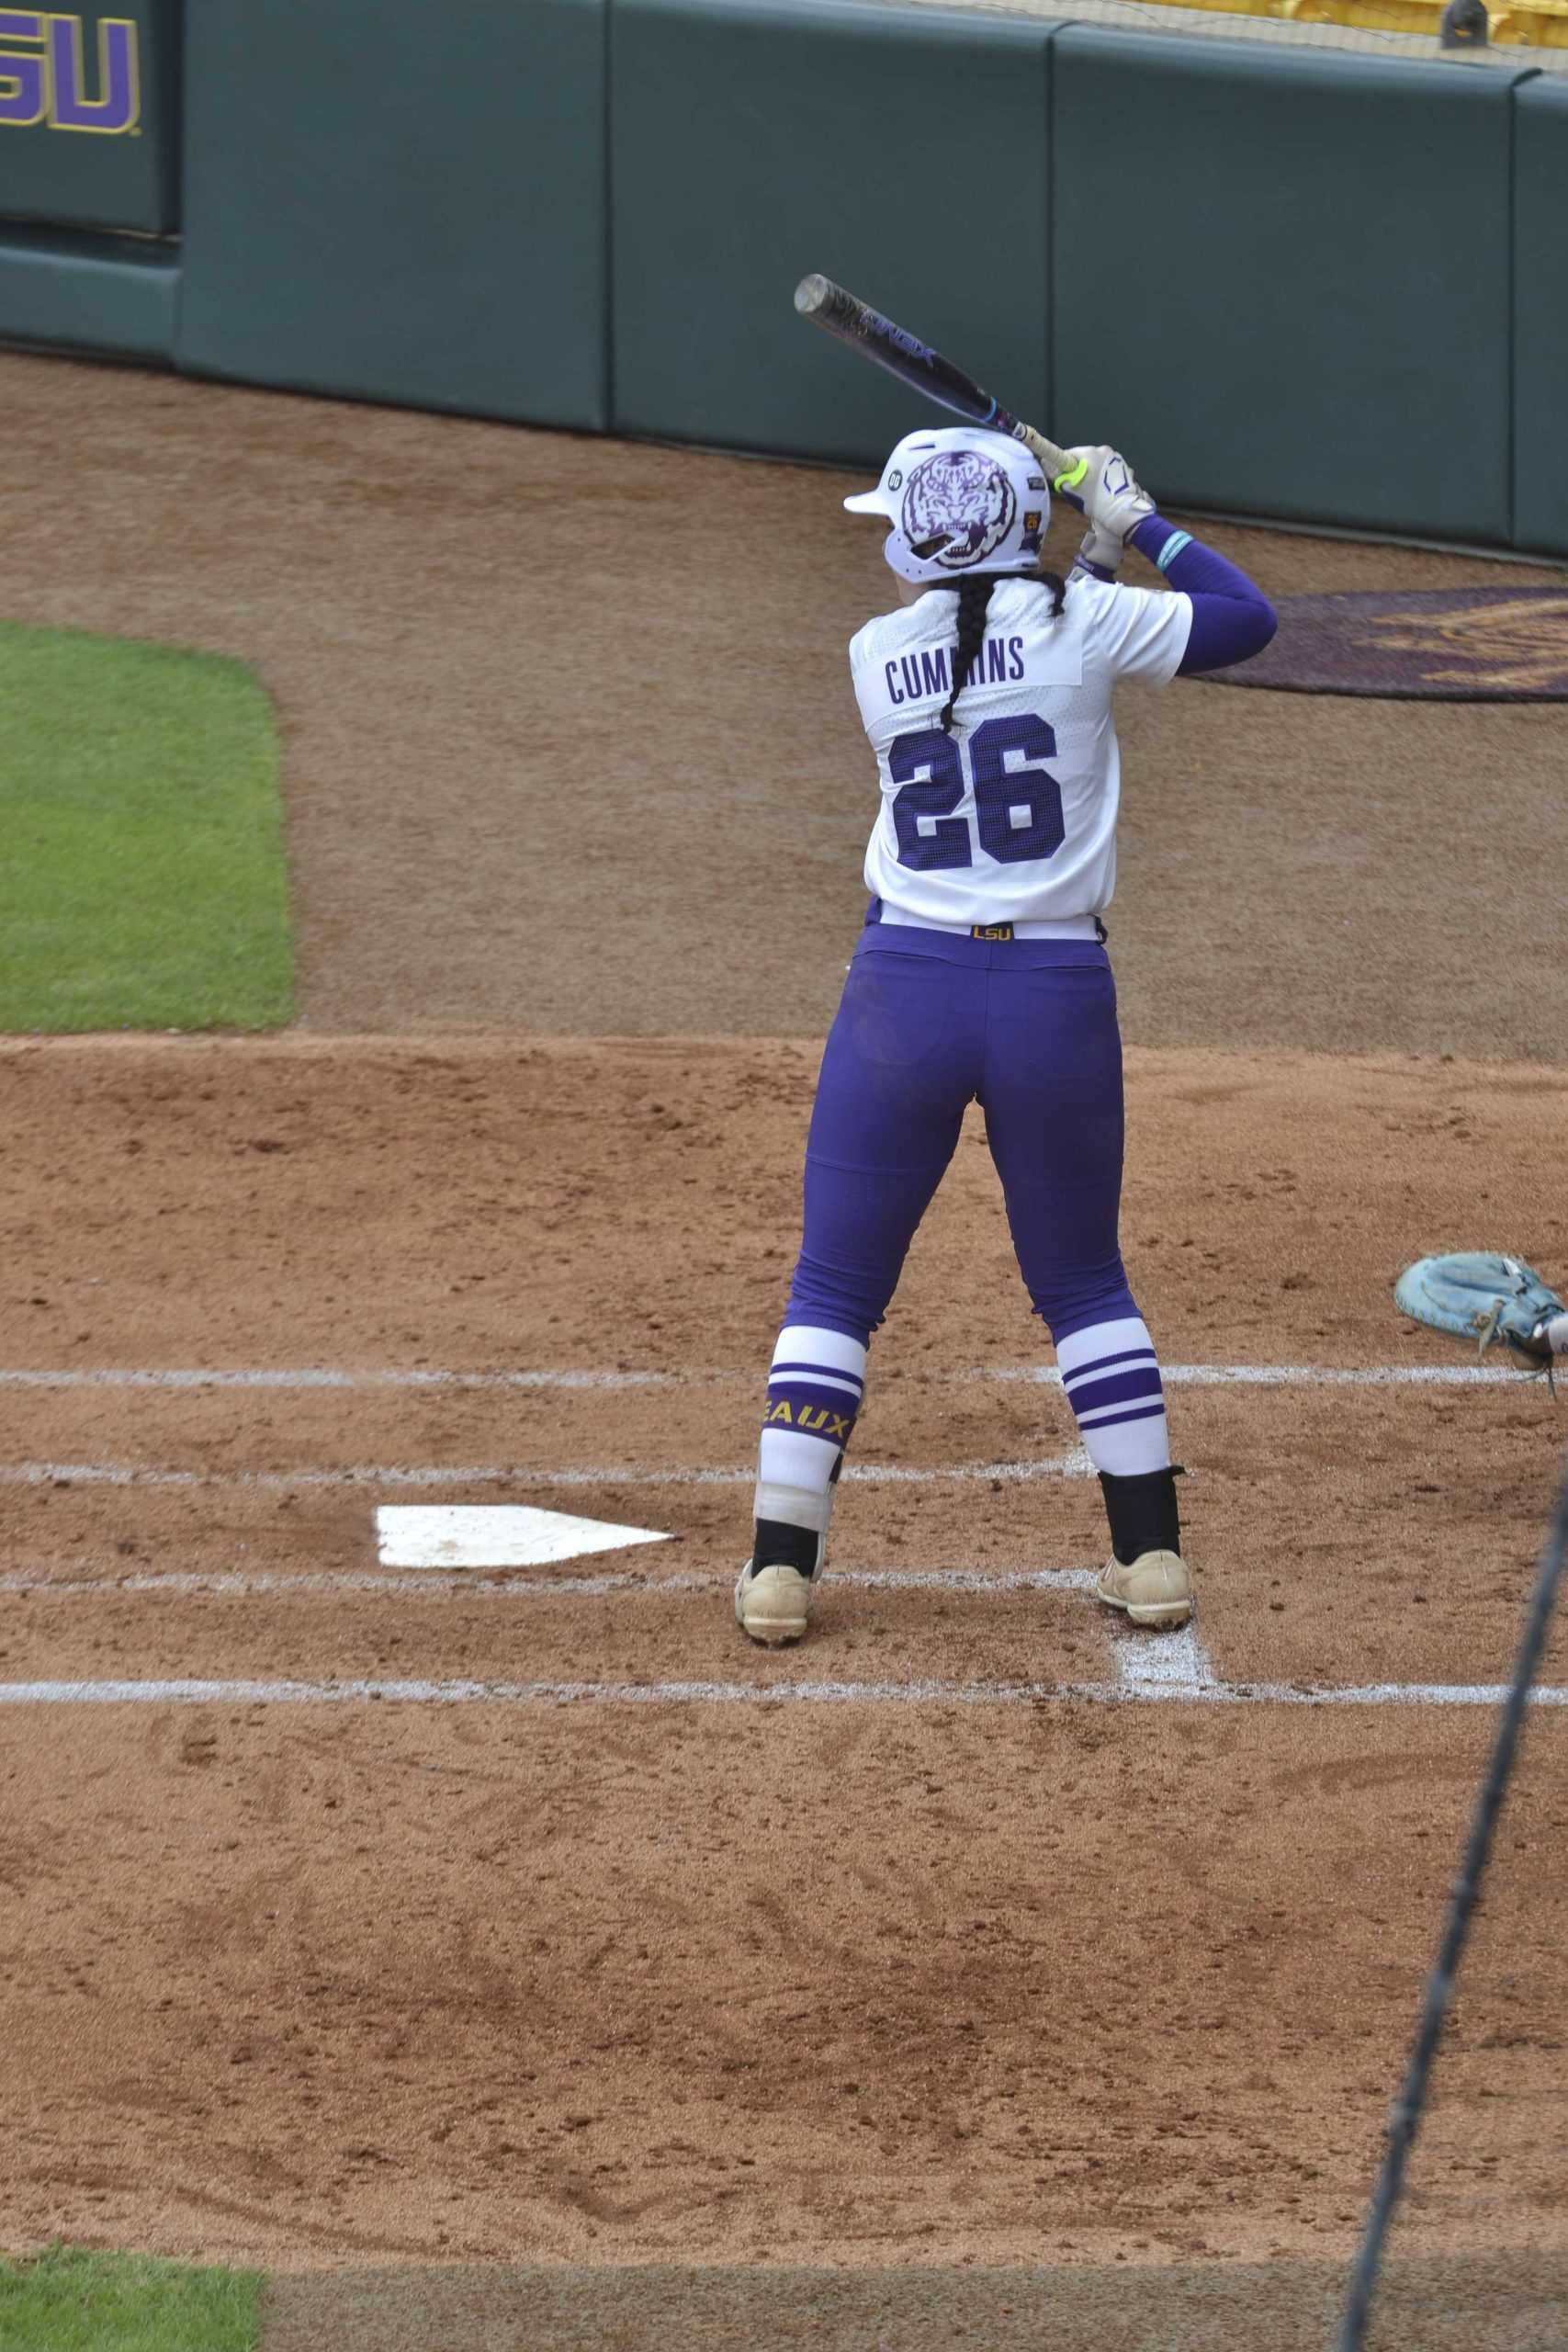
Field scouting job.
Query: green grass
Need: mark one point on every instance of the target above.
(69, 2301)
(141, 876)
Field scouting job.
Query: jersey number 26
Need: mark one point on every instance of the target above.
(1018, 811)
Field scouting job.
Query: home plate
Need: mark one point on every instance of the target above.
(494, 1536)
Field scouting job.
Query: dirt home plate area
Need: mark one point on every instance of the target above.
(511, 1955)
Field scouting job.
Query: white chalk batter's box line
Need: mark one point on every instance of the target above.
(519, 1584)
(1167, 1667)
(1176, 1375)
(964, 1694)
(1172, 1668)
(1075, 1464)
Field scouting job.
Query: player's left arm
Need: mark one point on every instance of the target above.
(1232, 618)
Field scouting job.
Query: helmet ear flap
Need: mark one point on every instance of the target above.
(926, 549)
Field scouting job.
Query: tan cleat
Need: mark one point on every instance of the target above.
(1155, 1590)
(773, 1604)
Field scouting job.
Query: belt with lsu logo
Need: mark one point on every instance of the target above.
(1058, 927)
(1029, 930)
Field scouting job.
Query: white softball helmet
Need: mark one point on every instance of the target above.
(959, 499)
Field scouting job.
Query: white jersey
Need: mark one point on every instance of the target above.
(1012, 817)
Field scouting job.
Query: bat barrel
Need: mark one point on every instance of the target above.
(813, 294)
(852, 322)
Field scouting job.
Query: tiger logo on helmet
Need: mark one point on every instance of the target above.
(958, 508)
(959, 499)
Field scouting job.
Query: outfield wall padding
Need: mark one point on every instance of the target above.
(1317, 284)
(1540, 313)
(89, 116)
(1281, 278)
(399, 201)
(903, 151)
(116, 295)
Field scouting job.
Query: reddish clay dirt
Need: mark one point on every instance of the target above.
(845, 1982)
(998, 1974)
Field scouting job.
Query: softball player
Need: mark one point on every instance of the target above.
(981, 974)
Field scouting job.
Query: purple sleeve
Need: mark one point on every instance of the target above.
(1232, 618)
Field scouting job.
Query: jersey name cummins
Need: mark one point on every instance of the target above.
(1012, 817)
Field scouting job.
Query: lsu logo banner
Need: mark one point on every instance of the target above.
(44, 78)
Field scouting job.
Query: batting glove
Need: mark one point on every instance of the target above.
(1099, 555)
(1106, 491)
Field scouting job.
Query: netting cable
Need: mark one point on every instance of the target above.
(1405, 2114)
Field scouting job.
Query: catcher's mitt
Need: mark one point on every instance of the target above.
(1475, 1295)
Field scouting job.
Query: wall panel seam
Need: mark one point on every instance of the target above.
(607, 256)
(1049, 424)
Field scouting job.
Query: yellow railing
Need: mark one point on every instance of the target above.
(1536, 23)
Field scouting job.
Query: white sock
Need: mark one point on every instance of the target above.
(815, 1386)
(1110, 1374)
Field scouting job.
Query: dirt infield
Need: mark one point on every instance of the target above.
(971, 1942)
(570, 747)
(947, 1968)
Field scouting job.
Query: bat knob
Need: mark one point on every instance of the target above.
(811, 294)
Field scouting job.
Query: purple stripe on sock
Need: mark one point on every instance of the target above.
(824, 1371)
(1114, 1420)
(818, 1391)
(1102, 1363)
(1120, 1388)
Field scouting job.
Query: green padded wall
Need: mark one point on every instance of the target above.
(89, 116)
(900, 149)
(400, 201)
(1281, 278)
(88, 293)
(1540, 315)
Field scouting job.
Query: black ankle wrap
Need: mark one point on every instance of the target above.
(779, 1545)
(1142, 1512)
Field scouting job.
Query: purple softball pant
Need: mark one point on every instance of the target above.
(930, 1021)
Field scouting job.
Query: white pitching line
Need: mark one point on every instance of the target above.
(1177, 1376)
(1075, 1464)
(643, 1694)
(237, 1585)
